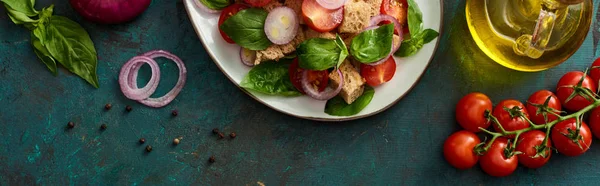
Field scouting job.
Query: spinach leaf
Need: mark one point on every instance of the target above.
(43, 54)
(344, 51)
(373, 45)
(246, 28)
(415, 18)
(338, 107)
(271, 78)
(23, 6)
(72, 47)
(215, 4)
(318, 54)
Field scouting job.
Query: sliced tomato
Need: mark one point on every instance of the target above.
(257, 3)
(379, 74)
(395, 8)
(321, 19)
(317, 78)
(226, 14)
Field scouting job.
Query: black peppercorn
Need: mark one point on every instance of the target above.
(71, 124)
(174, 113)
(103, 126)
(232, 135)
(142, 140)
(108, 106)
(211, 159)
(215, 131)
(128, 108)
(221, 135)
(148, 148)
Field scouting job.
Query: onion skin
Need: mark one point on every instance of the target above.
(110, 11)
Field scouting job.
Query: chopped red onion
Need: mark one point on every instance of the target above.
(325, 95)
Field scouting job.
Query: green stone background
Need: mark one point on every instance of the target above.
(399, 146)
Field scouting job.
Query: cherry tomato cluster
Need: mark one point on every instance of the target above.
(527, 133)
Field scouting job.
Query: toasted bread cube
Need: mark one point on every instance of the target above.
(272, 5)
(296, 5)
(310, 33)
(357, 14)
(353, 83)
(276, 52)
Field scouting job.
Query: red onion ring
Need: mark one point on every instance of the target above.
(167, 98)
(310, 91)
(128, 77)
(331, 4)
(247, 60)
(204, 7)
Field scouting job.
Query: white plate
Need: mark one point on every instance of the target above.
(408, 70)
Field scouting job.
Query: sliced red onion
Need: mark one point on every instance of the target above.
(325, 95)
(247, 56)
(204, 8)
(281, 25)
(167, 98)
(375, 20)
(331, 4)
(128, 78)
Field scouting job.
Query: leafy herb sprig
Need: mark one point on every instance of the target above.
(56, 39)
(418, 36)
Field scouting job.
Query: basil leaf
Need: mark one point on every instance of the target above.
(415, 18)
(428, 35)
(318, 54)
(246, 28)
(43, 54)
(338, 107)
(23, 6)
(409, 47)
(40, 30)
(373, 45)
(344, 51)
(72, 47)
(271, 78)
(215, 4)
(20, 18)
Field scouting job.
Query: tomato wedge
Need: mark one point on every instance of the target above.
(316, 78)
(227, 13)
(257, 3)
(395, 8)
(321, 19)
(379, 74)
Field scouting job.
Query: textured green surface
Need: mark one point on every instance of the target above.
(399, 146)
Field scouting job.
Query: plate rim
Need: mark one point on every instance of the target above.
(440, 30)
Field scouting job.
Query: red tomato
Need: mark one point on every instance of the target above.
(379, 74)
(508, 122)
(531, 157)
(395, 8)
(564, 89)
(495, 161)
(595, 122)
(319, 18)
(562, 138)
(458, 149)
(257, 3)
(539, 98)
(470, 111)
(595, 71)
(225, 14)
(317, 78)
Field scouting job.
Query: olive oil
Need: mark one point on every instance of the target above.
(503, 30)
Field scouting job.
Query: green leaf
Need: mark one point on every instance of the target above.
(23, 6)
(43, 54)
(415, 18)
(344, 51)
(338, 107)
(271, 78)
(373, 45)
(318, 54)
(246, 28)
(72, 47)
(409, 47)
(215, 4)
(40, 30)
(428, 35)
(20, 18)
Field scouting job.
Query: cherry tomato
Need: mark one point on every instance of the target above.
(317, 78)
(470, 111)
(458, 149)
(508, 122)
(395, 8)
(226, 14)
(563, 90)
(595, 71)
(257, 3)
(564, 144)
(379, 74)
(321, 19)
(531, 157)
(539, 98)
(495, 161)
(595, 122)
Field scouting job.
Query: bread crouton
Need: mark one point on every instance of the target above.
(296, 5)
(357, 14)
(353, 83)
(272, 5)
(276, 52)
(310, 33)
